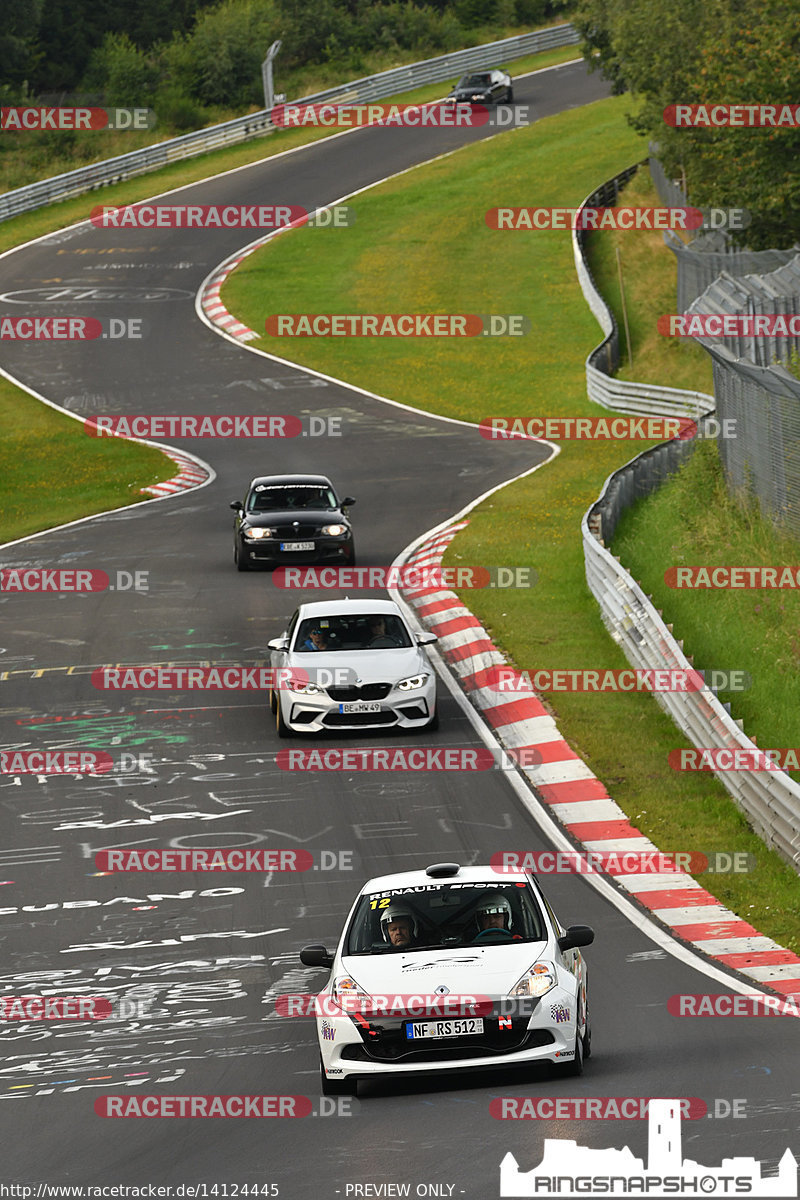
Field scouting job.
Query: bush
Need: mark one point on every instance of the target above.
(125, 74)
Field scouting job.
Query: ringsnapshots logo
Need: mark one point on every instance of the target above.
(397, 325)
(75, 118)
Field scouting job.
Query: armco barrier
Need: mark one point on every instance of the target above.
(769, 799)
(623, 395)
(242, 129)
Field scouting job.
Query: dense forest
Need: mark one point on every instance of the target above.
(718, 52)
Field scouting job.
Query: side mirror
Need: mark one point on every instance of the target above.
(316, 956)
(281, 643)
(576, 935)
(426, 639)
(236, 505)
(348, 500)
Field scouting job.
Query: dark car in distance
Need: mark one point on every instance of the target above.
(483, 87)
(292, 518)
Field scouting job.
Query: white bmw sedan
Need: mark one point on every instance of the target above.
(450, 969)
(351, 664)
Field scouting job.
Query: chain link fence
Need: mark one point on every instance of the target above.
(708, 255)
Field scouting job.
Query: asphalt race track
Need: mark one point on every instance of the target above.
(209, 954)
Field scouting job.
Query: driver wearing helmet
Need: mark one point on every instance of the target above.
(399, 927)
(494, 913)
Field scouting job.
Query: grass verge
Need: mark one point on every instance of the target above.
(48, 455)
(438, 259)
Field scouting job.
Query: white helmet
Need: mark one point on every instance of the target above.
(397, 912)
(494, 904)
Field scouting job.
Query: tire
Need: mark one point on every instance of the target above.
(273, 700)
(241, 557)
(336, 1087)
(510, 96)
(283, 729)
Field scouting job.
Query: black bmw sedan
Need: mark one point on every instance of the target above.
(483, 87)
(292, 518)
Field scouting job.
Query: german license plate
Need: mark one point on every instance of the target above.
(359, 706)
(443, 1029)
(297, 545)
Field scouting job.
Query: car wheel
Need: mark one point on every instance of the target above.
(283, 729)
(241, 557)
(433, 724)
(510, 96)
(336, 1087)
(273, 700)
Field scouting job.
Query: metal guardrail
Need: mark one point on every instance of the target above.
(242, 129)
(769, 799)
(623, 395)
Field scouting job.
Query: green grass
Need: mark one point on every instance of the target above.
(406, 255)
(83, 475)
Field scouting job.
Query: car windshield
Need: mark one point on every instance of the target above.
(445, 915)
(354, 631)
(474, 81)
(269, 497)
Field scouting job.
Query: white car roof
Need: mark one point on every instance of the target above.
(332, 608)
(484, 874)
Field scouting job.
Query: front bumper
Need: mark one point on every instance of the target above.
(396, 710)
(268, 550)
(358, 1048)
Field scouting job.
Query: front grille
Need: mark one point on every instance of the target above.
(305, 533)
(366, 691)
(392, 1046)
(333, 720)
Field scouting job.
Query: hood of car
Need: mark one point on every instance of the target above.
(471, 970)
(370, 666)
(305, 516)
(466, 92)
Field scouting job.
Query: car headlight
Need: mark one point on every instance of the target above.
(304, 687)
(258, 532)
(348, 994)
(334, 530)
(537, 981)
(412, 683)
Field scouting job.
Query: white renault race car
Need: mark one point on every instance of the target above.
(450, 969)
